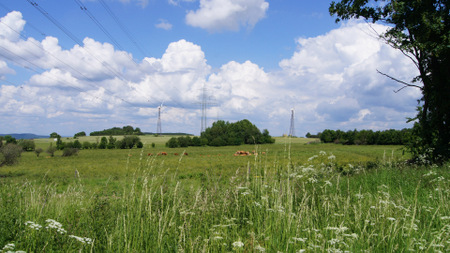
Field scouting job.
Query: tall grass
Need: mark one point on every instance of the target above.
(267, 206)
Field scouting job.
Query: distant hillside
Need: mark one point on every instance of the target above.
(26, 136)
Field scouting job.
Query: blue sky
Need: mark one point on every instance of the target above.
(256, 58)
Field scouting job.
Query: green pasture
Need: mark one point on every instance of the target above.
(293, 196)
(190, 164)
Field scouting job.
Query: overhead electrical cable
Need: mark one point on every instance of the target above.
(32, 26)
(77, 41)
(122, 27)
(103, 29)
(59, 60)
(68, 84)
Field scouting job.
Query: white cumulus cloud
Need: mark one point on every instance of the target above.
(220, 15)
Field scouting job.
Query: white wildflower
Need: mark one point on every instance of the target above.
(331, 157)
(312, 180)
(445, 218)
(83, 240)
(217, 238)
(359, 196)
(328, 183)
(238, 244)
(299, 239)
(391, 218)
(322, 153)
(312, 157)
(301, 251)
(33, 225)
(257, 204)
(9, 246)
(261, 249)
(55, 225)
(246, 193)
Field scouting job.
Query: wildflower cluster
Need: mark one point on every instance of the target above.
(9, 248)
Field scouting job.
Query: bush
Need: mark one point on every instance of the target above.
(10, 154)
(86, 145)
(38, 151)
(51, 150)
(172, 143)
(70, 152)
(27, 145)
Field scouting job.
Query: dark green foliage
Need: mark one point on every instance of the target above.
(242, 132)
(366, 137)
(126, 130)
(27, 145)
(420, 30)
(140, 144)
(111, 142)
(172, 143)
(128, 142)
(70, 152)
(51, 150)
(10, 139)
(38, 151)
(54, 135)
(77, 144)
(9, 154)
(224, 134)
(103, 143)
(86, 145)
(80, 134)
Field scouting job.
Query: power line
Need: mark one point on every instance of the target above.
(56, 58)
(122, 27)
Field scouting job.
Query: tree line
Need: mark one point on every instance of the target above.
(365, 137)
(126, 130)
(223, 133)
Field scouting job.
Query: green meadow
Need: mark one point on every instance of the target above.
(296, 195)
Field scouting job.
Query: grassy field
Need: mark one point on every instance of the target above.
(291, 197)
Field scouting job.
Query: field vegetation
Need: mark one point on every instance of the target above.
(290, 196)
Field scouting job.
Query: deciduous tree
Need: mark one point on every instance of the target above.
(420, 29)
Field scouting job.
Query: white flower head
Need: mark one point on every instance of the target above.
(238, 244)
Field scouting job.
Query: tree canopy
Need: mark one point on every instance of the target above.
(420, 29)
(126, 130)
(223, 133)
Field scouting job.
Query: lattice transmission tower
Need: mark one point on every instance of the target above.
(158, 126)
(206, 101)
(292, 128)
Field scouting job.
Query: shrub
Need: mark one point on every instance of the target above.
(140, 144)
(27, 145)
(103, 143)
(10, 154)
(51, 150)
(38, 151)
(153, 145)
(172, 143)
(70, 152)
(77, 144)
(86, 145)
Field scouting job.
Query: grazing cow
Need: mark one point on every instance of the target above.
(175, 153)
(185, 153)
(149, 154)
(162, 153)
